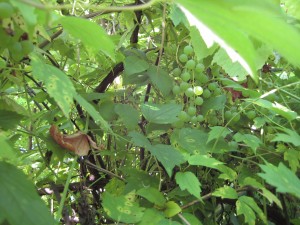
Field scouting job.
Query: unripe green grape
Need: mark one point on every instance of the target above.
(198, 101)
(199, 68)
(189, 92)
(176, 90)
(206, 93)
(217, 92)
(200, 118)
(183, 116)
(183, 86)
(176, 72)
(228, 115)
(251, 114)
(185, 76)
(236, 117)
(194, 119)
(192, 110)
(6, 10)
(188, 50)
(190, 64)
(202, 78)
(212, 86)
(183, 58)
(198, 90)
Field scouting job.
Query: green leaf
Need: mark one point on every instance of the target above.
(293, 157)
(232, 69)
(275, 108)
(7, 152)
(160, 79)
(226, 192)
(235, 22)
(217, 132)
(252, 204)
(129, 115)
(9, 119)
(134, 64)
(172, 209)
(188, 181)
(282, 178)
(204, 160)
(57, 83)
(161, 113)
(177, 16)
(151, 216)
(290, 136)
(200, 48)
(227, 173)
(193, 140)
(244, 209)
(216, 103)
(191, 218)
(168, 222)
(93, 113)
(139, 139)
(92, 35)
(250, 140)
(19, 200)
(152, 195)
(122, 208)
(168, 156)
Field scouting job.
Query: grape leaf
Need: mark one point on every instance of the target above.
(7, 152)
(168, 156)
(250, 140)
(122, 208)
(226, 192)
(139, 139)
(92, 35)
(188, 181)
(19, 200)
(193, 140)
(217, 132)
(9, 119)
(129, 115)
(134, 64)
(217, 103)
(151, 216)
(204, 160)
(171, 209)
(290, 136)
(152, 195)
(293, 157)
(161, 113)
(282, 178)
(252, 204)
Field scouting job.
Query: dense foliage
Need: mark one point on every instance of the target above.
(156, 112)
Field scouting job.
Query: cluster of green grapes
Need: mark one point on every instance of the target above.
(195, 85)
(15, 42)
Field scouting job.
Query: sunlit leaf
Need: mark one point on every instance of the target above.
(171, 209)
(217, 132)
(289, 136)
(188, 181)
(204, 160)
(7, 152)
(151, 216)
(282, 178)
(153, 195)
(226, 192)
(121, 208)
(193, 140)
(250, 140)
(19, 200)
(253, 205)
(134, 64)
(293, 157)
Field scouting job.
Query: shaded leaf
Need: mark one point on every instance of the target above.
(227, 173)
(129, 115)
(243, 209)
(252, 204)
(92, 35)
(151, 216)
(226, 192)
(290, 136)
(282, 178)
(193, 140)
(139, 139)
(7, 152)
(168, 156)
(160, 79)
(293, 157)
(161, 113)
(19, 200)
(188, 181)
(9, 119)
(134, 64)
(216, 103)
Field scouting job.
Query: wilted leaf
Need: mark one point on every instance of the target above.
(79, 143)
